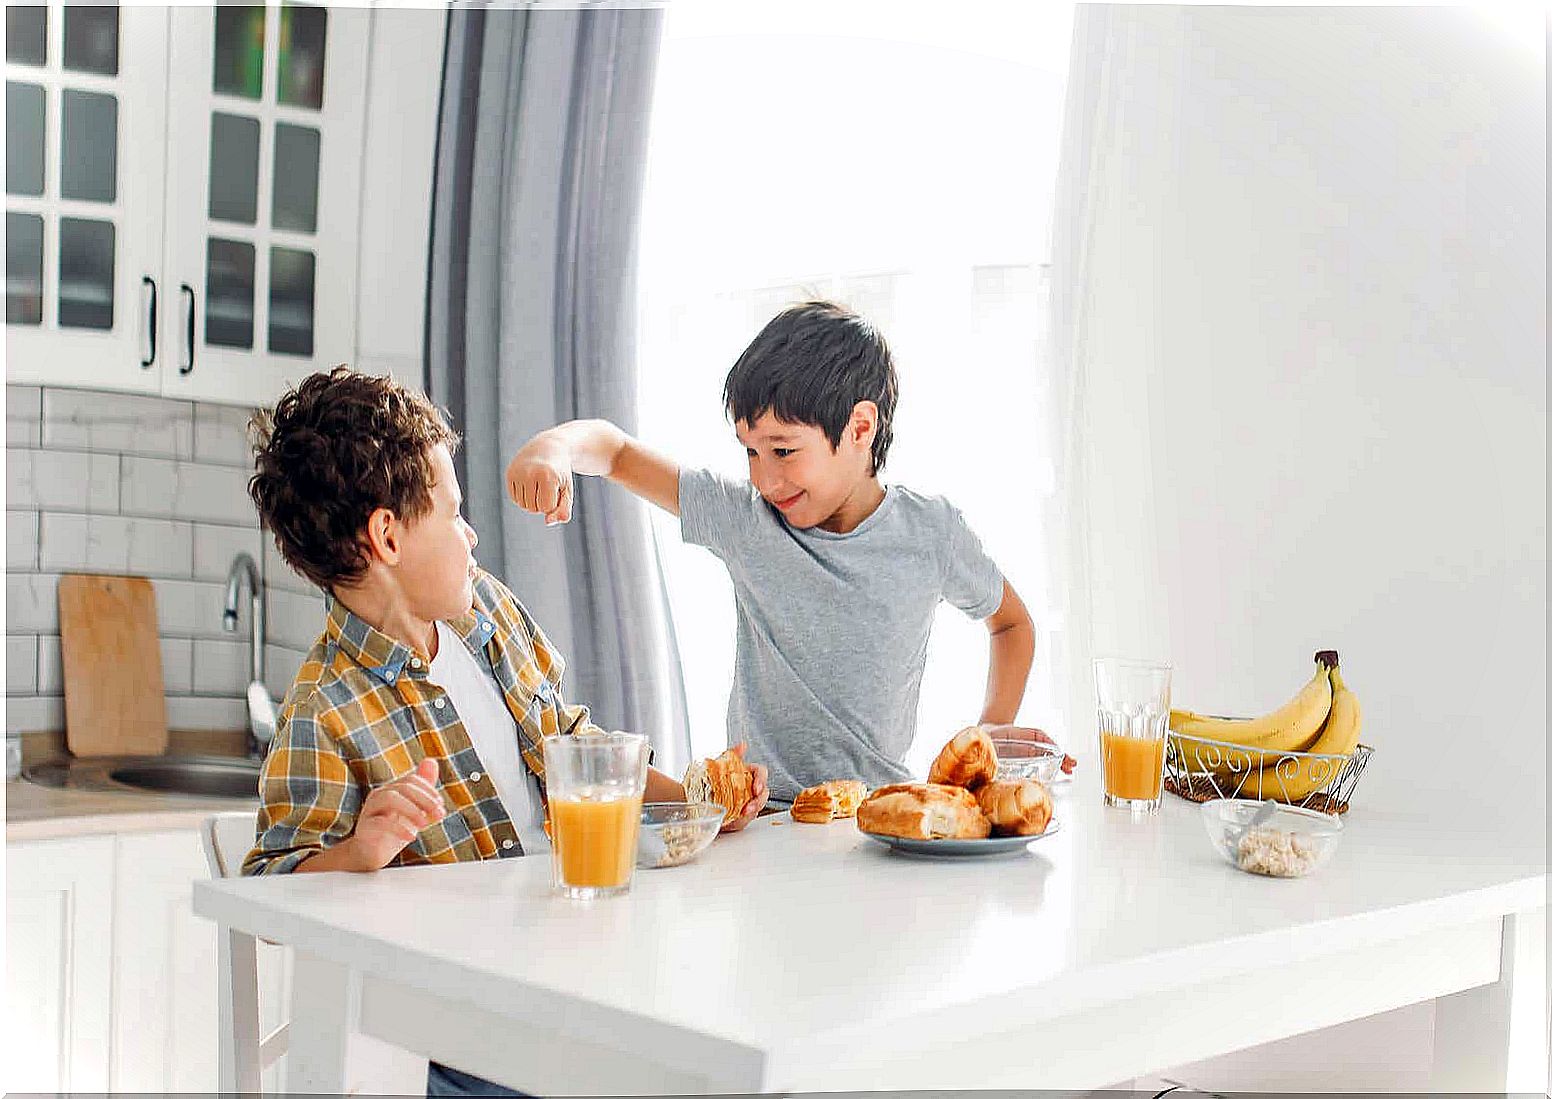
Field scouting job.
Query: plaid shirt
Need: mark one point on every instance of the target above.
(362, 713)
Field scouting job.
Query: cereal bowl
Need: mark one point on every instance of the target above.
(674, 832)
(1019, 757)
(1293, 843)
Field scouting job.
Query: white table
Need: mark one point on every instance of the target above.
(808, 958)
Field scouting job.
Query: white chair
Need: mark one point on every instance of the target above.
(245, 1052)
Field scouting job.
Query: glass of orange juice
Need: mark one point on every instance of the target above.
(1133, 718)
(594, 784)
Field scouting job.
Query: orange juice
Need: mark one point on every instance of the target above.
(1134, 766)
(595, 839)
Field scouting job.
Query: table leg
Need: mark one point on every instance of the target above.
(1495, 1038)
(325, 1016)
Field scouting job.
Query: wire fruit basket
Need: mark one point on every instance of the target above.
(1199, 769)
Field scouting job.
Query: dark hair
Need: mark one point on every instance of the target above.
(811, 365)
(335, 449)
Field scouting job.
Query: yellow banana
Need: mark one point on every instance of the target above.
(1289, 728)
(1295, 779)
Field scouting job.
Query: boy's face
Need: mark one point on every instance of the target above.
(798, 473)
(436, 551)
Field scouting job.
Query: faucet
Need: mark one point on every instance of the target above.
(261, 709)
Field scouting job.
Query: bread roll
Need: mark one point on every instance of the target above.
(1020, 807)
(923, 811)
(829, 801)
(849, 793)
(968, 760)
(725, 780)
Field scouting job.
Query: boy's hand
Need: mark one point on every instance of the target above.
(393, 815)
(761, 793)
(539, 479)
(1026, 732)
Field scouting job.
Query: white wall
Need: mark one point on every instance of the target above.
(1313, 365)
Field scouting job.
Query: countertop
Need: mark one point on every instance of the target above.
(37, 812)
(34, 812)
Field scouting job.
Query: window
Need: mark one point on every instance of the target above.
(902, 160)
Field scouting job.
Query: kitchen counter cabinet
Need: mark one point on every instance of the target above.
(111, 979)
(58, 930)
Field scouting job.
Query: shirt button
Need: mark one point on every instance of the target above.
(506, 845)
(475, 776)
(414, 661)
(439, 703)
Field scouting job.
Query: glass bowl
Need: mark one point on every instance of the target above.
(1021, 758)
(674, 832)
(1293, 843)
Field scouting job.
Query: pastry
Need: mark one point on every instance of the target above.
(828, 801)
(923, 811)
(725, 780)
(969, 760)
(1016, 807)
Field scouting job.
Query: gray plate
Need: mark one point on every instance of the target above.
(964, 849)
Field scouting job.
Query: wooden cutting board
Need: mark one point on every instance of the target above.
(114, 700)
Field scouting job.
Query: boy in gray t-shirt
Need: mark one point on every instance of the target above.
(835, 575)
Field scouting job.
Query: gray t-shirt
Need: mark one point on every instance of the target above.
(833, 628)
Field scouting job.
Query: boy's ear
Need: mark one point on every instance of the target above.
(864, 423)
(382, 536)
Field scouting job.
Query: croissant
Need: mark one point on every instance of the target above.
(925, 811)
(828, 801)
(725, 780)
(1021, 807)
(969, 760)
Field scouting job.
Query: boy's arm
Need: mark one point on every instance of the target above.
(539, 475)
(1012, 652)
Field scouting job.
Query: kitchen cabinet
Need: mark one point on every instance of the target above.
(111, 979)
(58, 934)
(182, 195)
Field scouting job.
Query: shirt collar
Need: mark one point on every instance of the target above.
(384, 656)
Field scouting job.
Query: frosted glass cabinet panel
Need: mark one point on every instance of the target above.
(85, 141)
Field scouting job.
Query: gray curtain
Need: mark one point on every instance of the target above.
(532, 321)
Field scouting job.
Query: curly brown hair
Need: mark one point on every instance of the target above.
(332, 451)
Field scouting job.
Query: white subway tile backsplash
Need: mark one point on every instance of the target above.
(21, 541)
(294, 620)
(119, 422)
(116, 543)
(189, 608)
(185, 490)
(23, 415)
(21, 665)
(62, 480)
(178, 665)
(135, 484)
(221, 667)
(197, 712)
(221, 436)
(278, 574)
(31, 603)
(34, 715)
(51, 668)
(280, 668)
(216, 546)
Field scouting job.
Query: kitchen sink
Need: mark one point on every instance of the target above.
(231, 777)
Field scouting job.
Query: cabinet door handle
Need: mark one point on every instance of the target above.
(188, 300)
(150, 357)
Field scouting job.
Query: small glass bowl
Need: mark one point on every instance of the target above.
(674, 832)
(1293, 843)
(1019, 758)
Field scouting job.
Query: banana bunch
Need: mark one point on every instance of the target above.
(1322, 718)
